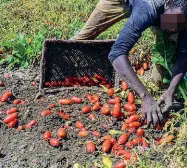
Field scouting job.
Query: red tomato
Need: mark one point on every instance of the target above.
(145, 66)
(105, 111)
(92, 117)
(106, 146)
(110, 92)
(64, 115)
(106, 106)
(124, 126)
(89, 97)
(131, 97)
(137, 141)
(135, 124)
(140, 132)
(142, 71)
(116, 112)
(45, 112)
(65, 101)
(96, 106)
(123, 138)
(30, 123)
(79, 124)
(124, 85)
(130, 107)
(116, 147)
(46, 135)
(61, 133)
(83, 133)
(20, 127)
(95, 98)
(54, 142)
(9, 94)
(96, 133)
(86, 109)
(114, 101)
(90, 147)
(131, 130)
(144, 143)
(99, 77)
(17, 101)
(11, 117)
(51, 106)
(4, 98)
(76, 99)
(125, 153)
(12, 123)
(129, 145)
(132, 118)
(120, 164)
(11, 110)
(113, 140)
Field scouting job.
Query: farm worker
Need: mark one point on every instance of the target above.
(170, 15)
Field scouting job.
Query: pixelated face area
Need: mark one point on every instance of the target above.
(173, 20)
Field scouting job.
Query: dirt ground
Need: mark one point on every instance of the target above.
(21, 149)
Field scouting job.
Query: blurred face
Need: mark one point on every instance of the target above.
(173, 20)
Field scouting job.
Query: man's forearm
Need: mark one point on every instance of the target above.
(123, 67)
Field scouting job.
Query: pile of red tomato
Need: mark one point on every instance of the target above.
(86, 80)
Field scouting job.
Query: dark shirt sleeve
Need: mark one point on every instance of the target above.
(181, 58)
(142, 17)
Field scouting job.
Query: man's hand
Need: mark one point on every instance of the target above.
(151, 111)
(166, 99)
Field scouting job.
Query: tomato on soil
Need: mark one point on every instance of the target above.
(11, 117)
(132, 118)
(83, 133)
(129, 144)
(86, 109)
(20, 127)
(76, 99)
(107, 144)
(31, 123)
(12, 123)
(63, 115)
(79, 124)
(123, 138)
(92, 117)
(105, 111)
(135, 124)
(16, 101)
(90, 147)
(45, 112)
(96, 133)
(51, 106)
(1, 84)
(110, 92)
(137, 141)
(124, 126)
(124, 85)
(140, 132)
(145, 66)
(47, 135)
(131, 97)
(11, 110)
(96, 106)
(54, 142)
(65, 101)
(130, 107)
(61, 133)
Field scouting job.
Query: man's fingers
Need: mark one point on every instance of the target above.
(149, 119)
(155, 118)
(160, 100)
(167, 108)
(160, 116)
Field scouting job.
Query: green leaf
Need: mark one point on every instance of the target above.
(166, 81)
(105, 88)
(115, 132)
(107, 161)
